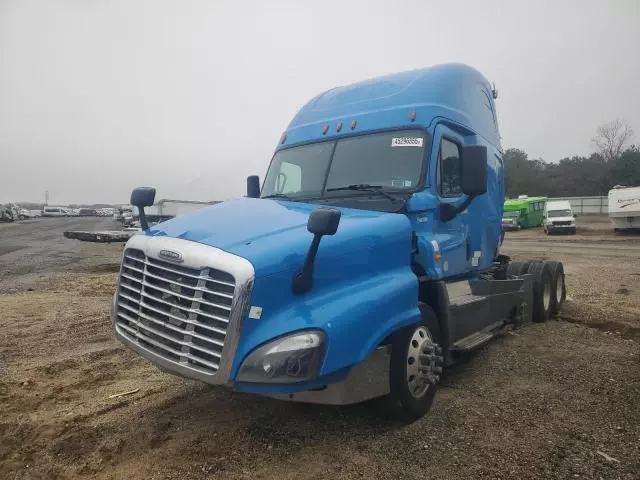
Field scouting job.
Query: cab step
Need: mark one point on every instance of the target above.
(478, 339)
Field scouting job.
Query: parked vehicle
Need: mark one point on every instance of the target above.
(367, 262)
(54, 212)
(523, 212)
(624, 207)
(9, 212)
(559, 218)
(25, 213)
(87, 212)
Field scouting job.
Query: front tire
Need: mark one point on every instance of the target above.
(416, 365)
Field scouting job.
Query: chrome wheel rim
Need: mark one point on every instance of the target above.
(559, 288)
(423, 362)
(546, 295)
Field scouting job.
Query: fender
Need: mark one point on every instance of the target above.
(356, 314)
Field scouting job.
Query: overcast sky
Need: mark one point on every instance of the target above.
(99, 96)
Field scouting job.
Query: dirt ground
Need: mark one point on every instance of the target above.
(554, 400)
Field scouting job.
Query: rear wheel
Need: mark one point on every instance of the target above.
(513, 270)
(518, 268)
(558, 286)
(542, 290)
(416, 365)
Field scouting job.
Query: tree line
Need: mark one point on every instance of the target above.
(614, 162)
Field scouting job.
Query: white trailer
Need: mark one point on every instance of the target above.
(624, 207)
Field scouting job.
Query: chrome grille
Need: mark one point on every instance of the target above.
(177, 312)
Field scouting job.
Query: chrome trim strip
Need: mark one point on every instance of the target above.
(196, 288)
(168, 349)
(169, 304)
(173, 328)
(196, 256)
(177, 272)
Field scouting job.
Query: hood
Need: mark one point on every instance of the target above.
(273, 234)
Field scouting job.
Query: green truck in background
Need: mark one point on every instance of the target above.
(523, 212)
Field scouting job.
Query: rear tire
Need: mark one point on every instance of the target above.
(542, 290)
(558, 286)
(518, 268)
(416, 365)
(513, 270)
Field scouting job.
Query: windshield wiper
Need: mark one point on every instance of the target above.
(366, 188)
(277, 195)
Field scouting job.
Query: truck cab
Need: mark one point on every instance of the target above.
(364, 263)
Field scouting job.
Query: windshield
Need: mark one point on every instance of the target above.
(515, 214)
(391, 160)
(559, 213)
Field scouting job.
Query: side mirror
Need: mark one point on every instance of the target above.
(322, 221)
(474, 170)
(143, 197)
(253, 186)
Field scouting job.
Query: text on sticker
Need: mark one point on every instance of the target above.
(406, 142)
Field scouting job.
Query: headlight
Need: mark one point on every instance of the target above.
(295, 358)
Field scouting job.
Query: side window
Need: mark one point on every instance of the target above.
(448, 173)
(290, 178)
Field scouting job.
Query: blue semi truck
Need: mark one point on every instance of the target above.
(366, 262)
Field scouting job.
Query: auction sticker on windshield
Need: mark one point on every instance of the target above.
(406, 142)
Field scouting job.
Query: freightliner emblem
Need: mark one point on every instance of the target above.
(171, 256)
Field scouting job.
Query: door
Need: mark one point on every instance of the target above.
(452, 236)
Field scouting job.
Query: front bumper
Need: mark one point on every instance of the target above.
(366, 380)
(561, 228)
(510, 226)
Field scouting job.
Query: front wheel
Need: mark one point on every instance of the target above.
(416, 365)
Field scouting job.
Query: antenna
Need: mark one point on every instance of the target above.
(494, 91)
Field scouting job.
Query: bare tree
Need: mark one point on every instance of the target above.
(611, 139)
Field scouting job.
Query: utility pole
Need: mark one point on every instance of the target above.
(46, 197)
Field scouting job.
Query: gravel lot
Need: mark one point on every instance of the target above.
(553, 400)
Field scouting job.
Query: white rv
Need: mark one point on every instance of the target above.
(624, 207)
(558, 217)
